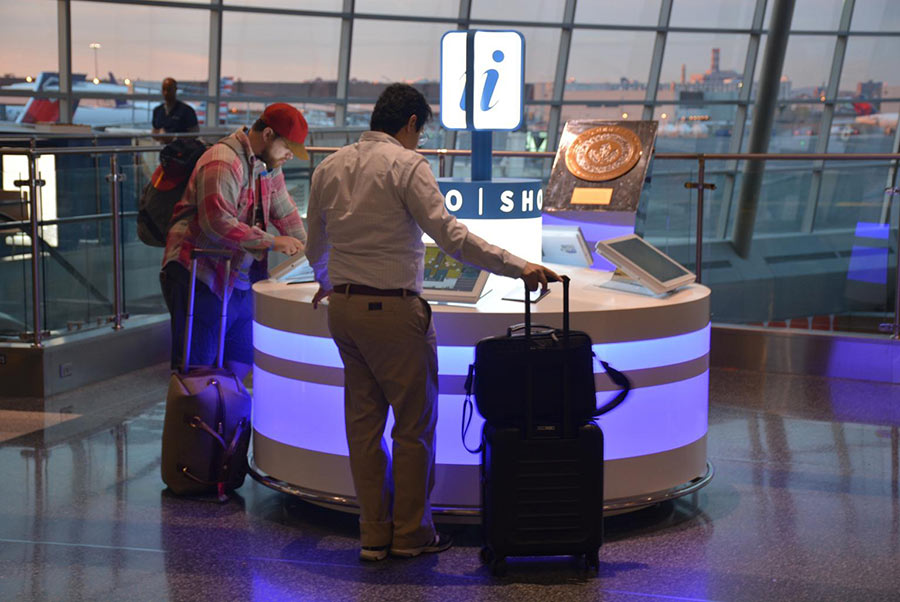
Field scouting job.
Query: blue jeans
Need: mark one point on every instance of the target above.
(175, 281)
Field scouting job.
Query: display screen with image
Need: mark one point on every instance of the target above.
(445, 273)
(449, 280)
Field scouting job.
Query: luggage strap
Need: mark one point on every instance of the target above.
(617, 378)
(228, 449)
(469, 409)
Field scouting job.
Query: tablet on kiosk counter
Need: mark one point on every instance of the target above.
(644, 264)
(449, 280)
(565, 245)
(294, 270)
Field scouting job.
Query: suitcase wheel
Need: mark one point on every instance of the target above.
(592, 561)
(486, 555)
(496, 565)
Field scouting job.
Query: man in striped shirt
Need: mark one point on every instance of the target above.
(235, 191)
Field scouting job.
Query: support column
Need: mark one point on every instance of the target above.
(763, 116)
(343, 76)
(214, 74)
(64, 43)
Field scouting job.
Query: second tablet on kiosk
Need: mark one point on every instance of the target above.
(645, 264)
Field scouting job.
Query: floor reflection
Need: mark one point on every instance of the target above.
(805, 505)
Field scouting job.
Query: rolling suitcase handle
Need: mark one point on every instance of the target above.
(189, 326)
(527, 326)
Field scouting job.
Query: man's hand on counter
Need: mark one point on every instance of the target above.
(320, 294)
(288, 245)
(535, 274)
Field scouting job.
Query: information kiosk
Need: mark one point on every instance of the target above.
(655, 441)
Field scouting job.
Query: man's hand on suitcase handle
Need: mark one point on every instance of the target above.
(535, 274)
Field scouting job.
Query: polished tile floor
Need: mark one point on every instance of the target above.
(804, 506)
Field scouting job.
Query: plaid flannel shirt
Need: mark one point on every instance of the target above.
(216, 212)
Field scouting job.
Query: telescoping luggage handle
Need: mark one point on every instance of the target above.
(565, 281)
(527, 325)
(189, 326)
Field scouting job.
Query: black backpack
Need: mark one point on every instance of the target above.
(159, 197)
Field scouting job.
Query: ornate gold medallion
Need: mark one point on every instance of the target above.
(603, 153)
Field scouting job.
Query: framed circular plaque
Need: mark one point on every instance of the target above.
(603, 153)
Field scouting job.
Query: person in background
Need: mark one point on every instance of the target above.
(369, 204)
(173, 116)
(236, 190)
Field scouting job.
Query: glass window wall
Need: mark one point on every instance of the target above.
(615, 12)
(546, 11)
(714, 14)
(21, 60)
(122, 50)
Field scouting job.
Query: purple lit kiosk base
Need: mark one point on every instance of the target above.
(655, 442)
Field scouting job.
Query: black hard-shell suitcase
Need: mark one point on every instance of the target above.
(206, 431)
(541, 496)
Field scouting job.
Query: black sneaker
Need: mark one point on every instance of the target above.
(440, 543)
(373, 553)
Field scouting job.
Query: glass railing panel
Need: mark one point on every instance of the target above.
(77, 277)
(821, 254)
(141, 263)
(667, 210)
(15, 267)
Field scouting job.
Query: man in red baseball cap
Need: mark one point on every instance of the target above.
(236, 191)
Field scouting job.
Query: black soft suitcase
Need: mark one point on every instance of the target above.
(541, 496)
(548, 366)
(207, 425)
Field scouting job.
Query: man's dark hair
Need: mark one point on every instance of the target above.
(395, 106)
(259, 125)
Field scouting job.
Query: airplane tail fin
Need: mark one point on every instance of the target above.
(44, 110)
(120, 103)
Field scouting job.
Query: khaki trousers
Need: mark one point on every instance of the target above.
(389, 351)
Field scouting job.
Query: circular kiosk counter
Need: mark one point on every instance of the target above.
(655, 442)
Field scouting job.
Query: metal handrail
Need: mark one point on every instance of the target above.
(34, 184)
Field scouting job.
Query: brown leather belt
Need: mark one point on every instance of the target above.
(362, 289)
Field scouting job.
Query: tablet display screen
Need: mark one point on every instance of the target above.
(649, 260)
(442, 272)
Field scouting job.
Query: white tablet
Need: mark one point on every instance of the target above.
(645, 263)
(293, 271)
(449, 280)
(565, 245)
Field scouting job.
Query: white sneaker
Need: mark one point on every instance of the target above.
(437, 545)
(373, 553)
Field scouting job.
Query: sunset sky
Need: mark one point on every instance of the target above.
(150, 43)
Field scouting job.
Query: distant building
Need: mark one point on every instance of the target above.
(871, 91)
